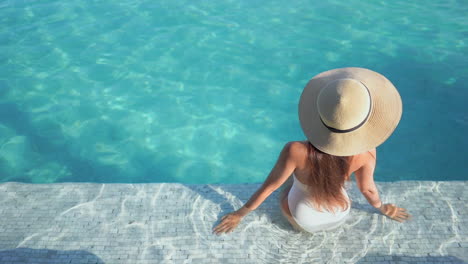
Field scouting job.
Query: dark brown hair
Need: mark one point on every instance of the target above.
(327, 179)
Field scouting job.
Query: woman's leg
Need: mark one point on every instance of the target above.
(284, 204)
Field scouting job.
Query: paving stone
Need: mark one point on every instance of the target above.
(172, 223)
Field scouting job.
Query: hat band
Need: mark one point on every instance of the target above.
(332, 129)
(336, 130)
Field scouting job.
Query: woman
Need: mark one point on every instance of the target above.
(345, 114)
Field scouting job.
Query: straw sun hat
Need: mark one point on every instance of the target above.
(348, 111)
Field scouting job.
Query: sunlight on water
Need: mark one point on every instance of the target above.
(145, 91)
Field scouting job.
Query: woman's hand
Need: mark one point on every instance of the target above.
(228, 223)
(394, 212)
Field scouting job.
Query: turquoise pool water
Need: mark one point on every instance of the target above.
(207, 91)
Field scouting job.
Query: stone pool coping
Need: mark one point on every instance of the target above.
(171, 223)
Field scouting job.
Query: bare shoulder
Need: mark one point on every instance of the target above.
(296, 147)
(297, 151)
(369, 158)
(363, 160)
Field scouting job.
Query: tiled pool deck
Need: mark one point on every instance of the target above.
(171, 223)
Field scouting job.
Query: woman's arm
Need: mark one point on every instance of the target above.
(283, 168)
(366, 184)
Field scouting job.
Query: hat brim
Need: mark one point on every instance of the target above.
(386, 110)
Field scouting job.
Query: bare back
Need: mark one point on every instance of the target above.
(356, 163)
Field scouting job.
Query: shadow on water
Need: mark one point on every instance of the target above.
(364, 207)
(274, 215)
(212, 192)
(32, 255)
(409, 259)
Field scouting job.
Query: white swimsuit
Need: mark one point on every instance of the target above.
(309, 218)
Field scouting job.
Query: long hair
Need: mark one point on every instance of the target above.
(327, 179)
